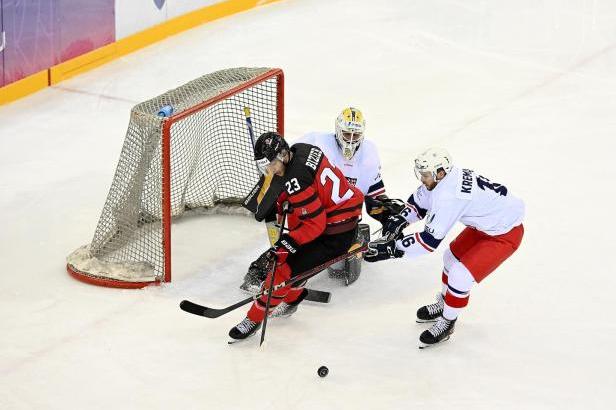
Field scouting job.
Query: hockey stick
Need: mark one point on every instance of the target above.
(285, 209)
(249, 125)
(213, 313)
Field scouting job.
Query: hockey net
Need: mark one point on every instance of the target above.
(198, 158)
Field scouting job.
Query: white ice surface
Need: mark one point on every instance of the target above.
(523, 91)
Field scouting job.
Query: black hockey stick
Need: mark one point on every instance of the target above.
(250, 131)
(285, 209)
(213, 313)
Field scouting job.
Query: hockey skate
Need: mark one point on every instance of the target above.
(439, 332)
(243, 330)
(285, 309)
(257, 272)
(430, 313)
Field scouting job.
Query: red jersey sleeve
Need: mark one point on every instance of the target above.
(307, 218)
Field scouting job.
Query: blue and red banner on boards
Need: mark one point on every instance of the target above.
(37, 34)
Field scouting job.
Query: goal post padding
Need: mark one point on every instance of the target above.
(199, 157)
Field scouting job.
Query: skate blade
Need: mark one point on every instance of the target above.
(424, 345)
(425, 321)
(234, 341)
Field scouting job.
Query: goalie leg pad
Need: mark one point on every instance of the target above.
(350, 269)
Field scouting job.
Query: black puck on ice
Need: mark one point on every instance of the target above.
(323, 371)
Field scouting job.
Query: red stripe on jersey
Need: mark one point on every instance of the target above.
(414, 209)
(429, 249)
(347, 212)
(302, 195)
(306, 221)
(444, 278)
(376, 193)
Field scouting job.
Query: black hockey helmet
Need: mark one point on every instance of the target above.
(269, 145)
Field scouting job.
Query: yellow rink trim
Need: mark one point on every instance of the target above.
(23, 87)
(102, 55)
(83, 63)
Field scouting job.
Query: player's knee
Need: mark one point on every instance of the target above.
(460, 278)
(448, 259)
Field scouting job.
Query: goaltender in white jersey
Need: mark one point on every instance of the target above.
(493, 218)
(362, 170)
(358, 160)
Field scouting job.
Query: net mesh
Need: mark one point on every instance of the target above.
(211, 163)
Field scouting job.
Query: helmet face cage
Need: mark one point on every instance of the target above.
(269, 146)
(350, 127)
(262, 164)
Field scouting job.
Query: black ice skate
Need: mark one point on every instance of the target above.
(430, 313)
(439, 332)
(287, 309)
(257, 272)
(243, 330)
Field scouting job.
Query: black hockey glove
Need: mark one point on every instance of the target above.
(282, 248)
(382, 207)
(381, 249)
(393, 226)
(394, 206)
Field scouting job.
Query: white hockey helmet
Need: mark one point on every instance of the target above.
(350, 126)
(431, 160)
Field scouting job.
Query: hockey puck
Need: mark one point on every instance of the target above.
(323, 371)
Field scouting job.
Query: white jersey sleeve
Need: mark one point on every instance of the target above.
(466, 197)
(363, 170)
(417, 205)
(368, 157)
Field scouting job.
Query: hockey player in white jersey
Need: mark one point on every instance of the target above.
(448, 194)
(358, 159)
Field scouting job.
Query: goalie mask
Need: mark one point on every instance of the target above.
(269, 146)
(431, 160)
(350, 126)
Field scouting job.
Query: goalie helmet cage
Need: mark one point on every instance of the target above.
(199, 156)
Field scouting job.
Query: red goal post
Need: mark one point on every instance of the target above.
(197, 158)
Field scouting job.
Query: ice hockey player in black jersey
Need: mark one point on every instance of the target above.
(323, 211)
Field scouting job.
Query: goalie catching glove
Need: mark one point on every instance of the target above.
(381, 249)
(381, 207)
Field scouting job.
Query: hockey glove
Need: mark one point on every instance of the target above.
(393, 226)
(394, 206)
(382, 207)
(381, 249)
(282, 248)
